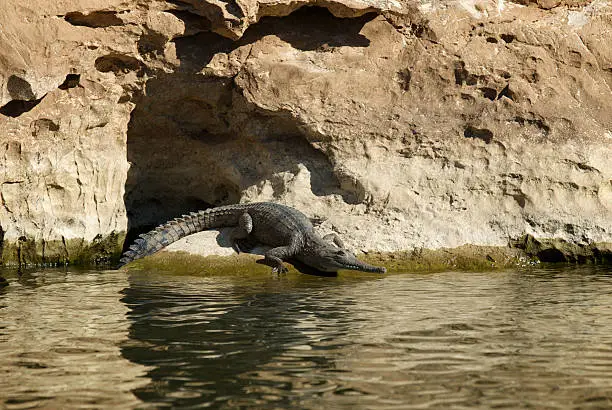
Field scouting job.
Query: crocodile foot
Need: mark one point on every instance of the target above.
(280, 269)
(277, 267)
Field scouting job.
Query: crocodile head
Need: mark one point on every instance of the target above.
(333, 259)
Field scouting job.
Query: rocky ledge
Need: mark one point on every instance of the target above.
(399, 125)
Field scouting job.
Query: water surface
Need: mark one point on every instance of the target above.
(538, 338)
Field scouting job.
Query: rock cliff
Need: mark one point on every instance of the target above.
(399, 125)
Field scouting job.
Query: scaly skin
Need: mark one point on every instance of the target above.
(288, 231)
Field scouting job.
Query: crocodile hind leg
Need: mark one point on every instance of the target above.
(241, 232)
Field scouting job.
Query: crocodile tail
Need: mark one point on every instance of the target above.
(162, 236)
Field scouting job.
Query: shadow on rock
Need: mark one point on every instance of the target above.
(312, 28)
(195, 142)
(306, 29)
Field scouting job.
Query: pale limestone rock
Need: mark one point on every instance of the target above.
(64, 166)
(407, 125)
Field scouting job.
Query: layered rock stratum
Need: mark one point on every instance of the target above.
(400, 125)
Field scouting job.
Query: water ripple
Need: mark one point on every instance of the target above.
(525, 339)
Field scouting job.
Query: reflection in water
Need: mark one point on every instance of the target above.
(59, 336)
(531, 339)
(214, 342)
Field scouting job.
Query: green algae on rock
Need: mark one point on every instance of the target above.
(464, 258)
(184, 263)
(27, 251)
(560, 250)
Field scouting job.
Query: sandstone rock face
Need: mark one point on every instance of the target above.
(398, 125)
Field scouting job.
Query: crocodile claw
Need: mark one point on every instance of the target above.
(280, 269)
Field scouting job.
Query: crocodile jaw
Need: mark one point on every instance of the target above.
(333, 259)
(364, 267)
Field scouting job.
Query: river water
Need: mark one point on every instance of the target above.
(538, 338)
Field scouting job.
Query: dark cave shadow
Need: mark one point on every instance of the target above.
(162, 183)
(157, 192)
(178, 135)
(308, 28)
(160, 213)
(166, 181)
(212, 346)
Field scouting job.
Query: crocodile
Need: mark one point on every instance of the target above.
(288, 232)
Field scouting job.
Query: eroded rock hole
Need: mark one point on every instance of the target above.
(490, 93)
(551, 255)
(71, 81)
(234, 9)
(418, 29)
(151, 44)
(194, 23)
(463, 76)
(197, 137)
(478, 133)
(15, 108)
(118, 63)
(43, 124)
(538, 123)
(94, 19)
(196, 51)
(505, 92)
(306, 29)
(508, 38)
(312, 28)
(19, 89)
(520, 199)
(403, 78)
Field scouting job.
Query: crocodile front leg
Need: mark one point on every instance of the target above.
(275, 256)
(335, 239)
